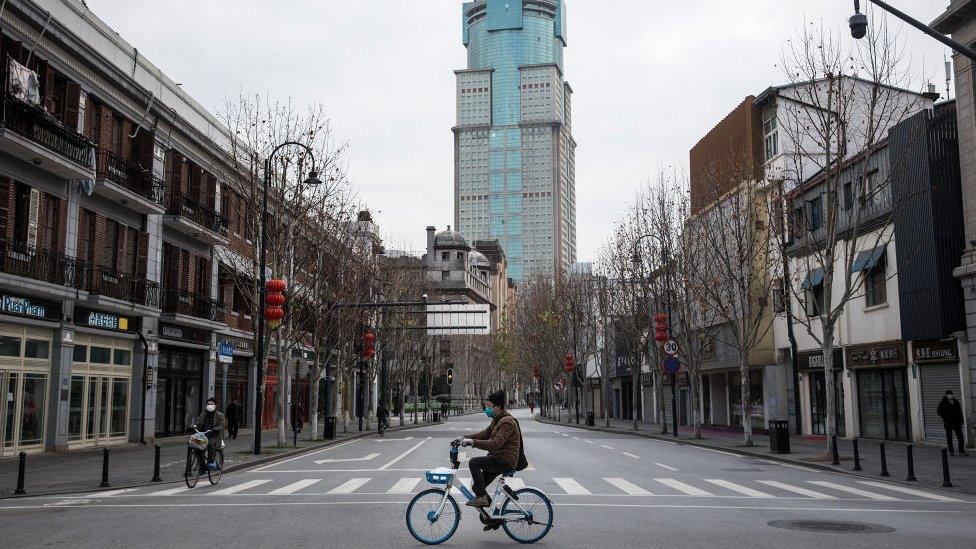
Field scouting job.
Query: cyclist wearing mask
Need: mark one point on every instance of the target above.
(503, 441)
(211, 419)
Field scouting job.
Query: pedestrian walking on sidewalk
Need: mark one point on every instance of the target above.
(951, 413)
(234, 413)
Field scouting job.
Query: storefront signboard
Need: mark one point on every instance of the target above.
(22, 306)
(935, 351)
(813, 360)
(104, 321)
(876, 355)
(183, 333)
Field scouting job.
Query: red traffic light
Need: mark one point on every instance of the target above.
(570, 363)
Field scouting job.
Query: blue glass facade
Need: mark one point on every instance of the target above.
(510, 39)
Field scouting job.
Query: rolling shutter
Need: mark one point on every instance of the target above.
(936, 380)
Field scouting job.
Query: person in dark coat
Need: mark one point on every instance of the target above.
(234, 413)
(297, 417)
(215, 422)
(951, 413)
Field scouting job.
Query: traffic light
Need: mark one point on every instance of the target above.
(369, 344)
(274, 300)
(661, 327)
(570, 364)
(450, 377)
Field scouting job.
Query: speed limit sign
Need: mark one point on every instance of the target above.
(671, 347)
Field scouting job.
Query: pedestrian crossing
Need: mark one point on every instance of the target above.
(838, 489)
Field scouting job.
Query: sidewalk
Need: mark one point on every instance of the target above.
(812, 451)
(132, 464)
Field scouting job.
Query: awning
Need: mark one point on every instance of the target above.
(866, 260)
(814, 278)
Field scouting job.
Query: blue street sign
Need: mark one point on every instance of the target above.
(672, 365)
(225, 352)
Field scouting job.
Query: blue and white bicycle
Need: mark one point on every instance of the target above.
(433, 515)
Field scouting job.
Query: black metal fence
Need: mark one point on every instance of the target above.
(34, 123)
(131, 176)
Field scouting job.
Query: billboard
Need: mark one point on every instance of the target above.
(458, 319)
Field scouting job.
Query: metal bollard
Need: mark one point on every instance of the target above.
(857, 457)
(884, 460)
(156, 466)
(946, 483)
(911, 463)
(833, 450)
(294, 437)
(21, 471)
(104, 483)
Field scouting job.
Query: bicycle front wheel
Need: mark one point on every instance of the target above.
(424, 526)
(194, 463)
(213, 475)
(529, 519)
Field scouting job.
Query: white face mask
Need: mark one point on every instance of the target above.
(211, 407)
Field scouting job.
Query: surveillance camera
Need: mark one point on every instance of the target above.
(859, 25)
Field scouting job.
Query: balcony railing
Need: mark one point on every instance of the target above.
(130, 176)
(34, 123)
(111, 283)
(34, 262)
(184, 206)
(188, 303)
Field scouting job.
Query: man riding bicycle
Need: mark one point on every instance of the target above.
(381, 416)
(212, 420)
(503, 441)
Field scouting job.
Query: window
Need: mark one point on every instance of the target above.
(460, 256)
(100, 355)
(22, 210)
(874, 192)
(815, 300)
(9, 346)
(50, 223)
(110, 255)
(875, 282)
(770, 135)
(779, 295)
(815, 207)
(848, 196)
(80, 353)
(36, 348)
(121, 357)
(445, 256)
(445, 276)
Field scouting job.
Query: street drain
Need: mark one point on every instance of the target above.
(832, 526)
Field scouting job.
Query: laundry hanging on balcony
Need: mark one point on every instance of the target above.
(23, 83)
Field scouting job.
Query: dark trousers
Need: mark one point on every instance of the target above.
(961, 441)
(232, 428)
(485, 469)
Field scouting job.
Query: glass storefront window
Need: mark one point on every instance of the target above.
(104, 407)
(32, 423)
(10, 402)
(9, 346)
(100, 355)
(80, 353)
(120, 400)
(121, 357)
(90, 410)
(75, 402)
(883, 402)
(37, 348)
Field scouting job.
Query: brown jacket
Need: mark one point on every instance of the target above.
(501, 439)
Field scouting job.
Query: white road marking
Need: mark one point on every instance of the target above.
(110, 493)
(855, 491)
(910, 491)
(403, 455)
(572, 487)
(588, 441)
(668, 467)
(797, 489)
(717, 451)
(384, 439)
(682, 487)
(294, 487)
(239, 488)
(744, 490)
(349, 486)
(575, 438)
(628, 487)
(277, 463)
(404, 485)
(367, 457)
(628, 454)
(791, 466)
(170, 491)
(515, 483)
(605, 446)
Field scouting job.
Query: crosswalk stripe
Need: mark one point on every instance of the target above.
(570, 486)
(110, 493)
(349, 486)
(855, 491)
(910, 491)
(404, 485)
(628, 454)
(515, 483)
(797, 490)
(744, 490)
(668, 467)
(170, 491)
(682, 487)
(294, 487)
(628, 487)
(240, 487)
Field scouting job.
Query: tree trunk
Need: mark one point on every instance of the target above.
(413, 390)
(746, 398)
(829, 383)
(314, 377)
(695, 383)
(282, 399)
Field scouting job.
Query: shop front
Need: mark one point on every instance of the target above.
(754, 408)
(811, 367)
(882, 389)
(936, 363)
(180, 379)
(233, 382)
(101, 379)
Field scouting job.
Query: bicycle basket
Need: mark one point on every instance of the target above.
(198, 441)
(441, 475)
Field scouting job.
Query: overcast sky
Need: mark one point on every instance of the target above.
(650, 77)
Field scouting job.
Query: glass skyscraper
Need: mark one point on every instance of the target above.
(514, 153)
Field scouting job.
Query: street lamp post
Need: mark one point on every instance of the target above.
(312, 179)
(859, 27)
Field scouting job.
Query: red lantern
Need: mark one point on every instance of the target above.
(275, 299)
(273, 313)
(570, 364)
(369, 345)
(276, 285)
(661, 328)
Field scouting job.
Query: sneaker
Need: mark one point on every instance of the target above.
(480, 501)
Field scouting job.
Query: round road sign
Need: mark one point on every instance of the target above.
(671, 347)
(672, 365)
(558, 385)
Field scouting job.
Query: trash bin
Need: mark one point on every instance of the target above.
(329, 428)
(590, 418)
(436, 416)
(779, 436)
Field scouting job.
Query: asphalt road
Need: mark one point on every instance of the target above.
(608, 491)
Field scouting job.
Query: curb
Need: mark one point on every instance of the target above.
(743, 452)
(233, 468)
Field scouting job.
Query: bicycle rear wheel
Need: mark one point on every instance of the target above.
(423, 525)
(529, 519)
(194, 463)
